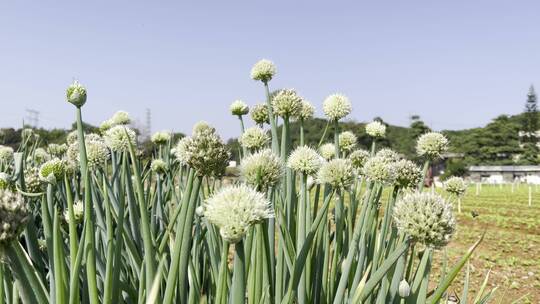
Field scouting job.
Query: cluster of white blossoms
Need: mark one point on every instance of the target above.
(32, 181)
(78, 213)
(388, 155)
(72, 137)
(52, 170)
(379, 169)
(408, 174)
(376, 129)
(358, 158)
(259, 114)
(5, 181)
(239, 108)
(455, 185)
(234, 209)
(307, 110)
(57, 150)
(254, 138)
(76, 94)
(338, 173)
(327, 151)
(26, 134)
(6, 154)
(205, 152)
(120, 118)
(13, 216)
(286, 103)
(337, 106)
(41, 155)
(305, 160)
(159, 166)
(161, 137)
(262, 169)
(180, 151)
(426, 218)
(119, 138)
(431, 145)
(347, 141)
(97, 153)
(264, 70)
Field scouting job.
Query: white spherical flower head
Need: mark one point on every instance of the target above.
(377, 169)
(408, 174)
(236, 208)
(426, 218)
(97, 153)
(161, 137)
(180, 150)
(347, 141)
(76, 94)
(455, 185)
(286, 103)
(5, 181)
(106, 125)
(78, 213)
(338, 173)
(327, 151)
(32, 181)
(27, 133)
(14, 216)
(6, 154)
(121, 118)
(206, 153)
(119, 138)
(201, 127)
(239, 108)
(57, 150)
(359, 158)
(72, 137)
(262, 169)
(376, 129)
(404, 289)
(305, 160)
(264, 70)
(41, 156)
(388, 155)
(254, 138)
(52, 170)
(336, 107)
(307, 110)
(259, 114)
(159, 166)
(432, 145)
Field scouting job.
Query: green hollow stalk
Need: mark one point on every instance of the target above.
(239, 280)
(89, 246)
(187, 238)
(336, 137)
(148, 242)
(272, 118)
(221, 292)
(424, 175)
(301, 233)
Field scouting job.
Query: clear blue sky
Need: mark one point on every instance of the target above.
(458, 64)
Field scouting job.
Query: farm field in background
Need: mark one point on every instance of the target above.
(511, 247)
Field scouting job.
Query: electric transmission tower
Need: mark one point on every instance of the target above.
(32, 117)
(148, 126)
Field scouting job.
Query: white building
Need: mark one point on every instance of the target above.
(505, 174)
